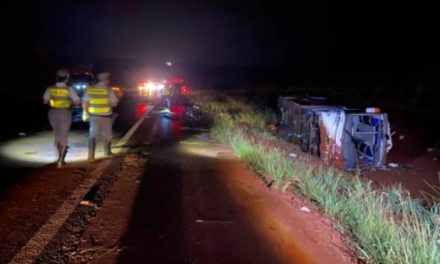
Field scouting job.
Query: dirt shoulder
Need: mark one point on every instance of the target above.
(28, 205)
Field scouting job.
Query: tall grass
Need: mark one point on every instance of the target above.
(385, 226)
(271, 164)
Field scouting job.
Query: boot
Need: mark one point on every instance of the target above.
(58, 146)
(108, 149)
(92, 145)
(61, 159)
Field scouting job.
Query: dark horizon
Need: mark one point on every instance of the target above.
(299, 35)
(315, 43)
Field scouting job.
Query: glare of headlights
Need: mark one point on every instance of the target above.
(199, 147)
(142, 87)
(39, 149)
(151, 86)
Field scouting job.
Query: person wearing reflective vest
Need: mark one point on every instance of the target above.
(98, 102)
(60, 98)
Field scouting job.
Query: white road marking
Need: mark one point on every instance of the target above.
(123, 141)
(35, 246)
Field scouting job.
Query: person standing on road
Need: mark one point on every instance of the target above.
(60, 97)
(98, 101)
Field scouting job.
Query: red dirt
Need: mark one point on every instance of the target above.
(414, 151)
(196, 209)
(28, 205)
(418, 171)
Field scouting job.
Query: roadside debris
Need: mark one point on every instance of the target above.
(94, 254)
(22, 134)
(305, 209)
(400, 166)
(393, 165)
(88, 204)
(292, 155)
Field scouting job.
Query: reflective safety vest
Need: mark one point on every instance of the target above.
(99, 101)
(59, 97)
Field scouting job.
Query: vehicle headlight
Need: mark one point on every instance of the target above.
(151, 86)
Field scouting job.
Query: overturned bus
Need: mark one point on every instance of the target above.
(346, 139)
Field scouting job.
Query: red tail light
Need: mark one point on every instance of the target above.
(184, 89)
(141, 109)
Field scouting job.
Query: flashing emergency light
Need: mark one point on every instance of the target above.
(372, 110)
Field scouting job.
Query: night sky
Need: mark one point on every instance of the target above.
(364, 36)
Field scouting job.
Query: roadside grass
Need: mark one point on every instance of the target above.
(271, 164)
(384, 226)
